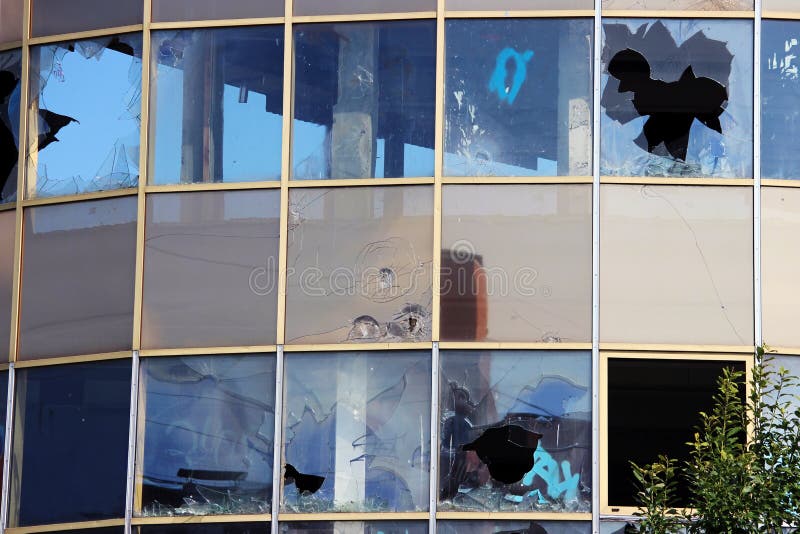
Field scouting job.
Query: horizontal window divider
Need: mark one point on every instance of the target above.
(677, 14)
(361, 17)
(4, 366)
(11, 45)
(771, 351)
(88, 34)
(668, 352)
(516, 516)
(8, 207)
(64, 360)
(787, 15)
(43, 201)
(521, 13)
(778, 182)
(216, 186)
(658, 180)
(618, 512)
(494, 180)
(355, 516)
(360, 182)
(215, 23)
(58, 527)
(512, 345)
(207, 351)
(197, 519)
(355, 347)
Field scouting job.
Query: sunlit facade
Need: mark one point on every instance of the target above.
(382, 266)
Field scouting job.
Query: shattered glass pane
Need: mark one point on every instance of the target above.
(509, 109)
(364, 101)
(514, 527)
(10, 21)
(210, 271)
(780, 256)
(178, 10)
(79, 266)
(71, 443)
(356, 432)
(677, 98)
(213, 528)
(8, 224)
(359, 264)
(217, 104)
(653, 408)
(689, 5)
(483, 5)
(677, 264)
(10, 74)
(207, 441)
(780, 93)
(53, 17)
(85, 109)
(348, 7)
(354, 527)
(500, 280)
(515, 432)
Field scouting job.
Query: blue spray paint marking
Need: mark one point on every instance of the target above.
(497, 83)
(559, 479)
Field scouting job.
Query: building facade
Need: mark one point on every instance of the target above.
(396, 266)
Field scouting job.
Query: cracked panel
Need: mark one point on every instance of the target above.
(677, 264)
(8, 223)
(506, 112)
(77, 278)
(210, 272)
(354, 527)
(780, 93)
(514, 527)
(70, 442)
(364, 100)
(515, 431)
(53, 17)
(653, 409)
(539, 288)
(677, 98)
(10, 74)
(207, 443)
(84, 116)
(359, 265)
(348, 7)
(10, 21)
(780, 256)
(217, 97)
(688, 5)
(218, 528)
(356, 432)
(180, 10)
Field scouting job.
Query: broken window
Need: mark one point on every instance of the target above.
(70, 442)
(482, 5)
(85, 97)
(356, 432)
(364, 101)
(780, 93)
(180, 10)
(8, 224)
(492, 291)
(359, 264)
(354, 527)
(515, 432)
(10, 21)
(211, 269)
(213, 528)
(53, 17)
(688, 5)
(514, 527)
(780, 256)
(677, 264)
(509, 109)
(348, 7)
(677, 98)
(10, 74)
(653, 409)
(217, 105)
(77, 278)
(207, 443)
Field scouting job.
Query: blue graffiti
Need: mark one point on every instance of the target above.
(497, 83)
(559, 479)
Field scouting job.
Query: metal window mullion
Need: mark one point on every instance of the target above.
(758, 327)
(132, 432)
(596, 78)
(4, 504)
(277, 448)
(434, 440)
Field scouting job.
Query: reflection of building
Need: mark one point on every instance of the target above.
(438, 256)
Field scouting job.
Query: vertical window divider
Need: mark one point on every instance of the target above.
(132, 434)
(434, 441)
(758, 333)
(7, 449)
(438, 151)
(277, 449)
(596, 79)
